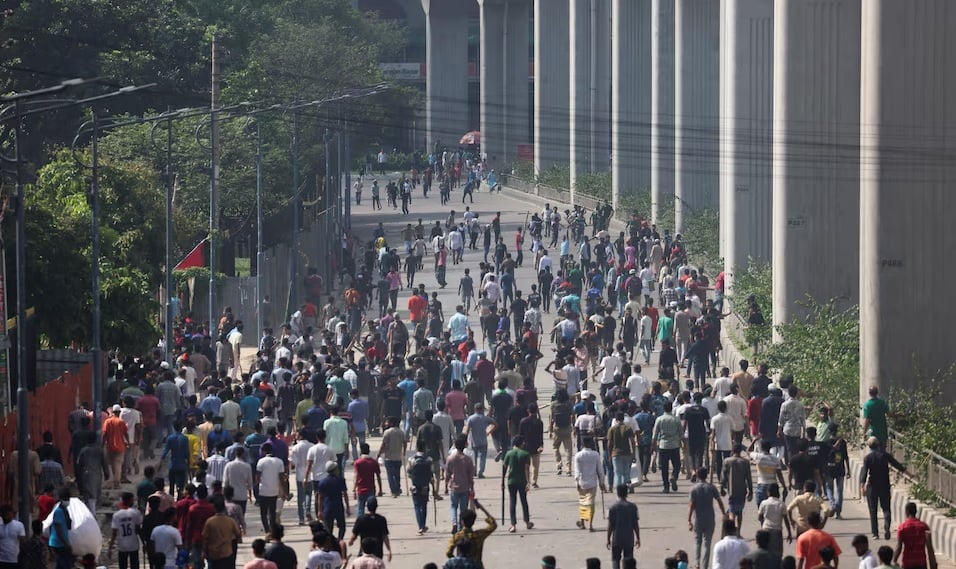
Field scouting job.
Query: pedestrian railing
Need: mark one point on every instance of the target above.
(928, 469)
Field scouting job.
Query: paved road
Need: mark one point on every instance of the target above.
(554, 505)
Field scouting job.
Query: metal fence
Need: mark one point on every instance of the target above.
(930, 470)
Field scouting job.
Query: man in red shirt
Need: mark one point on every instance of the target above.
(915, 542)
(417, 308)
(455, 403)
(812, 541)
(196, 517)
(115, 439)
(182, 508)
(367, 472)
(148, 406)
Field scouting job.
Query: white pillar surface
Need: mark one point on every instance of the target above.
(630, 98)
(550, 83)
(746, 123)
(697, 106)
(600, 84)
(662, 108)
(446, 71)
(816, 190)
(491, 72)
(907, 191)
(516, 119)
(579, 77)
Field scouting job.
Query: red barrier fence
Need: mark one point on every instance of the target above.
(49, 406)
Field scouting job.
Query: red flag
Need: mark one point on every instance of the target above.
(195, 258)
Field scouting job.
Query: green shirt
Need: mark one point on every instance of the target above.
(665, 328)
(667, 431)
(875, 409)
(619, 438)
(516, 460)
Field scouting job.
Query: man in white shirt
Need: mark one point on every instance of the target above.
(721, 433)
(238, 474)
(299, 459)
(544, 262)
(637, 384)
(492, 290)
(610, 366)
(11, 534)
(134, 427)
(318, 456)
(587, 477)
(862, 547)
(737, 409)
(722, 384)
(270, 470)
(731, 549)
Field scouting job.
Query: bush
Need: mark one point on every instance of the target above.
(755, 280)
(822, 352)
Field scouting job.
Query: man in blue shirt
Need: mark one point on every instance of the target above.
(249, 405)
(408, 386)
(358, 409)
(218, 435)
(177, 448)
(211, 403)
(60, 532)
(254, 443)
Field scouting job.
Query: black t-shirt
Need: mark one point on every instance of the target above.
(697, 419)
(372, 525)
(836, 460)
(667, 362)
(802, 465)
(610, 327)
(820, 453)
(281, 554)
(501, 403)
(761, 387)
(518, 306)
(432, 435)
(394, 399)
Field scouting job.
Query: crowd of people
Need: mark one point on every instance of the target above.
(206, 440)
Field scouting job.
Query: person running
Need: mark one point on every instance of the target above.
(516, 472)
(623, 528)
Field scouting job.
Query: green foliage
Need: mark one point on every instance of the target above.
(557, 176)
(822, 352)
(60, 247)
(595, 184)
(756, 279)
(702, 234)
(920, 412)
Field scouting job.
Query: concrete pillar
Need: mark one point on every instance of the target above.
(630, 97)
(550, 83)
(746, 121)
(697, 107)
(662, 108)
(589, 90)
(491, 73)
(446, 71)
(579, 76)
(816, 162)
(504, 78)
(516, 93)
(907, 196)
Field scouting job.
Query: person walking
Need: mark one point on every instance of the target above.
(731, 549)
(738, 479)
(587, 477)
(516, 472)
(875, 484)
(701, 519)
(812, 541)
(459, 481)
(269, 471)
(623, 528)
(622, 443)
(116, 439)
(371, 529)
(392, 452)
(531, 428)
(914, 542)
(421, 473)
(667, 435)
(772, 518)
(333, 499)
(219, 533)
(367, 473)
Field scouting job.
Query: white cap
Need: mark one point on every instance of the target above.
(117, 408)
(585, 394)
(164, 365)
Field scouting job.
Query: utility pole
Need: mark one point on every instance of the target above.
(213, 185)
(348, 180)
(169, 238)
(260, 306)
(296, 212)
(95, 350)
(327, 208)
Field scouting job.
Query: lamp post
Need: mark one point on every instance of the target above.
(15, 103)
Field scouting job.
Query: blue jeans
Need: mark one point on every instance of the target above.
(459, 503)
(481, 457)
(362, 498)
(719, 457)
(420, 502)
(622, 469)
(610, 468)
(303, 499)
(409, 421)
(393, 471)
(835, 492)
(760, 494)
(646, 350)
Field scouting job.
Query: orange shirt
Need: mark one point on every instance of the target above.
(114, 434)
(417, 307)
(811, 542)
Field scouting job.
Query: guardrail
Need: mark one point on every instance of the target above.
(933, 472)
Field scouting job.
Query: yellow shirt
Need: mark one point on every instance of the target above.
(476, 537)
(194, 449)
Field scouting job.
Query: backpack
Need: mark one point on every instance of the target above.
(420, 473)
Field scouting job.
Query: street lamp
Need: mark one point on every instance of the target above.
(15, 102)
